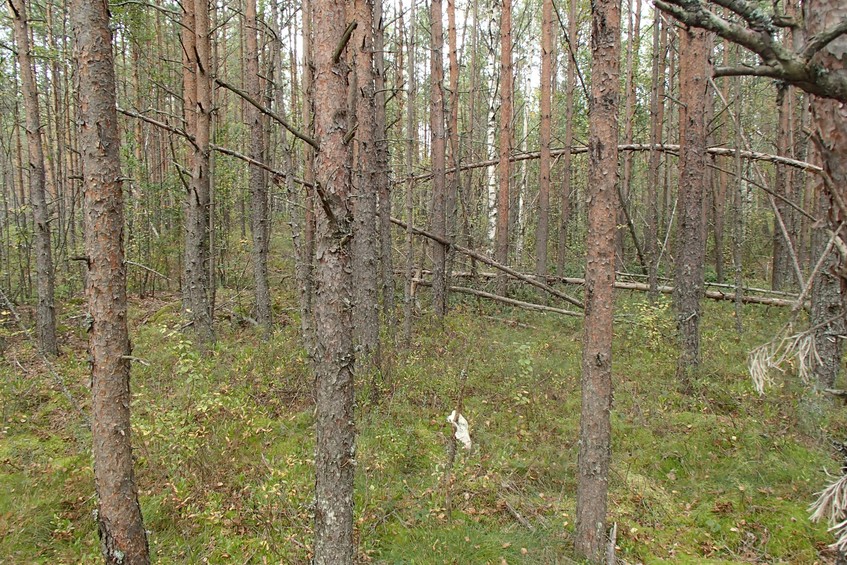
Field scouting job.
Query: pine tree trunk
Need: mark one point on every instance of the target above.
(595, 423)
(411, 149)
(197, 94)
(566, 189)
(651, 229)
(365, 191)
(501, 250)
(830, 121)
(45, 311)
(543, 227)
(122, 535)
(259, 223)
(335, 441)
(438, 222)
(691, 249)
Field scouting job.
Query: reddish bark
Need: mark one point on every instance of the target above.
(122, 534)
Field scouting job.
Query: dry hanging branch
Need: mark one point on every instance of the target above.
(757, 32)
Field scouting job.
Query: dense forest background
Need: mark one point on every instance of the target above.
(301, 208)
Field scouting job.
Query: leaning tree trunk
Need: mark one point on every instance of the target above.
(595, 422)
(45, 312)
(122, 534)
(258, 185)
(335, 442)
(691, 249)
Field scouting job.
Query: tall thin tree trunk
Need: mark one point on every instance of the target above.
(567, 176)
(438, 148)
(595, 421)
(411, 148)
(198, 105)
(365, 189)
(691, 248)
(335, 442)
(122, 535)
(453, 179)
(501, 250)
(651, 229)
(45, 312)
(543, 226)
(782, 275)
(258, 185)
(382, 172)
(632, 48)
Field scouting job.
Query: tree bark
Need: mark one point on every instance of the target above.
(782, 275)
(411, 150)
(542, 229)
(501, 251)
(198, 106)
(595, 420)
(45, 311)
(830, 119)
(335, 442)
(566, 189)
(438, 136)
(827, 307)
(651, 229)
(383, 181)
(260, 226)
(365, 190)
(691, 249)
(122, 535)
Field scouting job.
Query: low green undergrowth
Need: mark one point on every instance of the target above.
(223, 444)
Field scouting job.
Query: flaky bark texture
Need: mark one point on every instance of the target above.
(830, 122)
(45, 312)
(258, 184)
(122, 534)
(438, 135)
(543, 228)
(365, 189)
(691, 247)
(335, 447)
(197, 201)
(595, 424)
(501, 248)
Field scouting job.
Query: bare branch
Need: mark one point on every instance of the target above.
(778, 62)
(267, 111)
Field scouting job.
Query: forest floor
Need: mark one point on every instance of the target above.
(224, 443)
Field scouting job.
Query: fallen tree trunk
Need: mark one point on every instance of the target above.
(643, 287)
(504, 300)
(483, 259)
(664, 148)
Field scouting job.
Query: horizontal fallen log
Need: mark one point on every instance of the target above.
(790, 299)
(504, 299)
(712, 294)
(483, 259)
(665, 148)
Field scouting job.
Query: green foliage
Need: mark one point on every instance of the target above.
(224, 446)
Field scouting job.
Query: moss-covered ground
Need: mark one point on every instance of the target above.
(224, 443)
